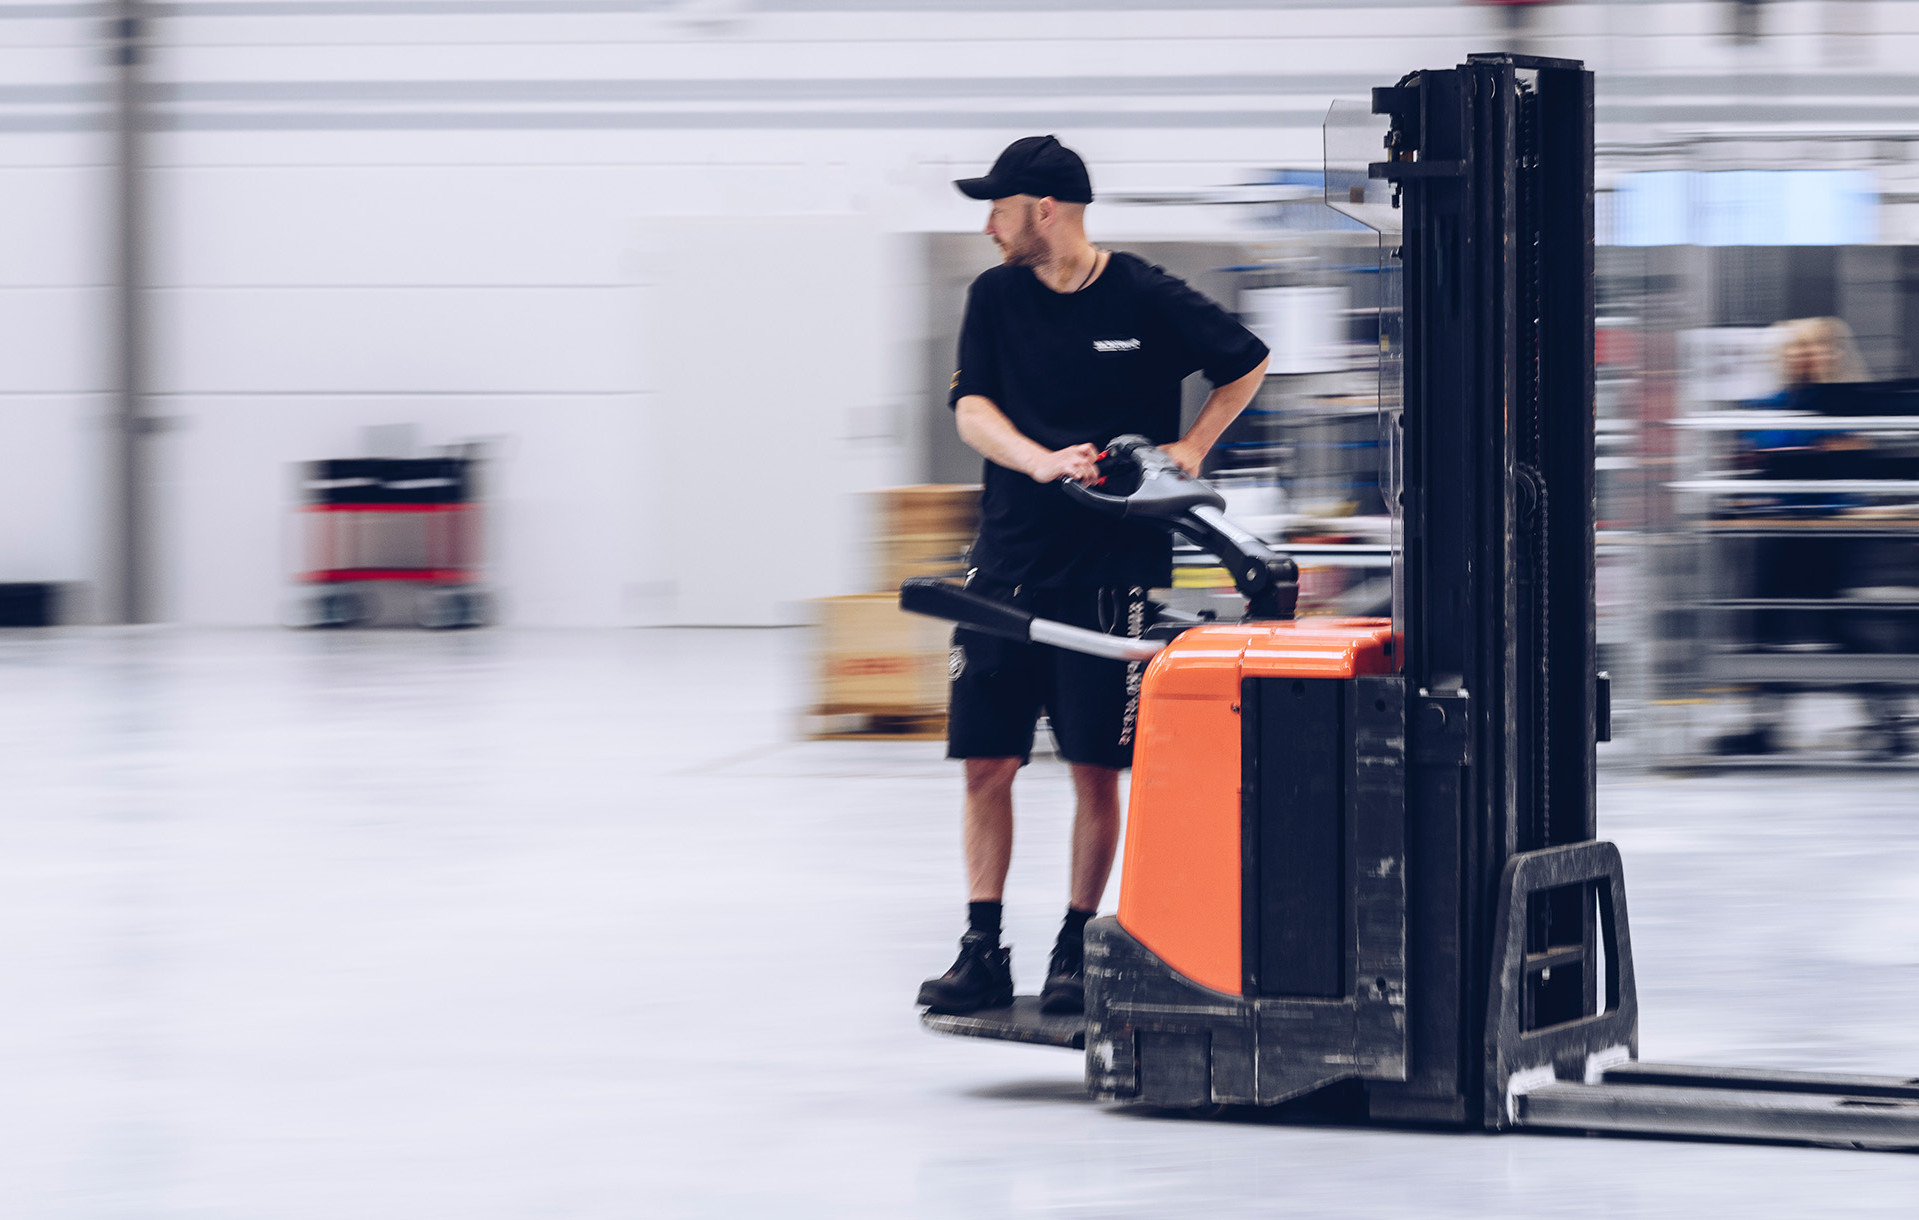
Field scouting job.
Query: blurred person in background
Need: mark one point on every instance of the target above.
(1810, 352)
(1063, 347)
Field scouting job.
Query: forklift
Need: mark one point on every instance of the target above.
(1362, 862)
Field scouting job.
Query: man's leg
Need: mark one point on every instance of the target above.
(996, 695)
(989, 826)
(1095, 833)
(1095, 838)
(982, 977)
(1093, 718)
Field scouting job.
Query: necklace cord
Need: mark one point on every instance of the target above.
(1090, 270)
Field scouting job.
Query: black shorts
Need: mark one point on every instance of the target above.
(1000, 686)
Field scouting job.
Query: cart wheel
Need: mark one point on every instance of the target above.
(434, 609)
(476, 609)
(340, 608)
(450, 609)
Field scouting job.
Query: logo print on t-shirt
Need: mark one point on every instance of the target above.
(1116, 345)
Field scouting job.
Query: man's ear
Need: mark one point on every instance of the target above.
(1045, 209)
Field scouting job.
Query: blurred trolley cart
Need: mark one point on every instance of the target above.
(373, 522)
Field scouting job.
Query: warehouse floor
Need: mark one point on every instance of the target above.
(526, 924)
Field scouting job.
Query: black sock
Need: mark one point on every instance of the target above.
(1073, 931)
(983, 917)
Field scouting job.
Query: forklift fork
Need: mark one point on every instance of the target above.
(1542, 1029)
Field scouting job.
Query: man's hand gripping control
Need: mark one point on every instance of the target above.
(1079, 462)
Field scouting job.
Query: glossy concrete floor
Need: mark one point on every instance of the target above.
(512, 925)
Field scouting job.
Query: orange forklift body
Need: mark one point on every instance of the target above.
(1180, 886)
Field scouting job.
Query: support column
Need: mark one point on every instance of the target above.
(127, 578)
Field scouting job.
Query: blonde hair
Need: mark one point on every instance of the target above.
(1818, 350)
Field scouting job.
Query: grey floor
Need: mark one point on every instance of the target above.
(570, 925)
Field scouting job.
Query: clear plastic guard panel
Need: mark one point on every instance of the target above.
(1392, 420)
(1355, 138)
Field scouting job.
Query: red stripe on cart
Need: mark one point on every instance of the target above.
(337, 576)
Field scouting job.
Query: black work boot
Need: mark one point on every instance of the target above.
(1065, 989)
(981, 977)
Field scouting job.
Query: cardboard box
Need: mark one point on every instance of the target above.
(942, 509)
(874, 658)
(924, 531)
(921, 555)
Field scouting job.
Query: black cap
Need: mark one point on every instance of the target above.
(1036, 165)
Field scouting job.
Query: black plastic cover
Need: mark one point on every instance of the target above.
(938, 598)
(389, 481)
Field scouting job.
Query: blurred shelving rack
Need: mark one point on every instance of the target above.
(1863, 633)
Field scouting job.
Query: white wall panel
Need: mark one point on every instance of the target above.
(43, 30)
(988, 54)
(54, 222)
(564, 225)
(399, 225)
(56, 64)
(53, 340)
(53, 448)
(53, 225)
(305, 340)
(734, 169)
(717, 151)
(931, 25)
(770, 339)
(54, 149)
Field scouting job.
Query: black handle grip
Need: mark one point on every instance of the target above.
(938, 598)
(1098, 501)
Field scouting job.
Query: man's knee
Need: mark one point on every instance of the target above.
(986, 776)
(1097, 786)
(1090, 775)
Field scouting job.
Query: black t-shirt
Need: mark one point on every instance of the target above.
(1084, 367)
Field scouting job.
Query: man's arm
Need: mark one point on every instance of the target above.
(1222, 407)
(985, 427)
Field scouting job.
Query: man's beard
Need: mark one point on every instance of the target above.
(1023, 252)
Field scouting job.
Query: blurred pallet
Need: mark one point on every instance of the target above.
(837, 722)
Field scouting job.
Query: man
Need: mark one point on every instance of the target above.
(1064, 346)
